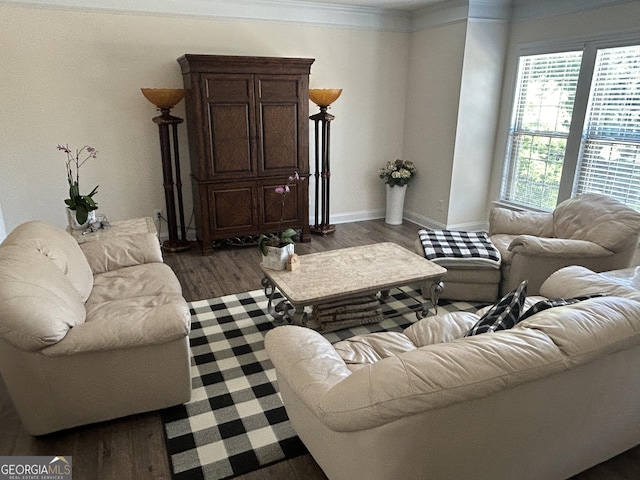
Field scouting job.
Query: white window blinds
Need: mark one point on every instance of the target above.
(540, 124)
(610, 156)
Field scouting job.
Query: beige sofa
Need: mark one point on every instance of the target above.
(89, 333)
(591, 230)
(546, 399)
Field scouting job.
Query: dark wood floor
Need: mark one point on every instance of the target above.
(133, 447)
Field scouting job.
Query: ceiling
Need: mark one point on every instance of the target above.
(406, 5)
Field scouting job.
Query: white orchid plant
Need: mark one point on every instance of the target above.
(81, 204)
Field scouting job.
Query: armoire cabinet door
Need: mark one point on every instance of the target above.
(272, 208)
(281, 123)
(231, 208)
(230, 136)
(235, 208)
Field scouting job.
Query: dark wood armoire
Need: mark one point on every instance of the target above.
(248, 127)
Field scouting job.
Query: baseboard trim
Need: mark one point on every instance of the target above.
(420, 220)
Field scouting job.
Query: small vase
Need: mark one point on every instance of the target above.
(276, 258)
(395, 204)
(73, 222)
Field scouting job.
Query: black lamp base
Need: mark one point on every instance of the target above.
(323, 229)
(176, 246)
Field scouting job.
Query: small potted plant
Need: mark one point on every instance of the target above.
(276, 248)
(396, 174)
(81, 208)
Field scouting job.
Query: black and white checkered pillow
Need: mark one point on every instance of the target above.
(502, 315)
(554, 302)
(458, 247)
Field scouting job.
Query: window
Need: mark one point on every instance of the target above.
(575, 127)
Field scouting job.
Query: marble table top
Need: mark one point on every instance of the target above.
(342, 273)
(121, 227)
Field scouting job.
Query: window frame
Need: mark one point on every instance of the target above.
(589, 47)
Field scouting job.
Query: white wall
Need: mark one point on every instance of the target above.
(455, 78)
(75, 76)
(485, 50)
(436, 62)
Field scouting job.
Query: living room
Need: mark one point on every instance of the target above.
(431, 86)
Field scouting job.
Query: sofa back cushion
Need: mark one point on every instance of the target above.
(599, 219)
(60, 249)
(511, 222)
(38, 304)
(441, 374)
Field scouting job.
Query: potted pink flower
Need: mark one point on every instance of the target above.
(276, 248)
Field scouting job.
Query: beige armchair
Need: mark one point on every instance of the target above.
(89, 333)
(591, 230)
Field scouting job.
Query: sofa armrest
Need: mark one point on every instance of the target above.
(555, 247)
(575, 281)
(121, 251)
(306, 361)
(503, 220)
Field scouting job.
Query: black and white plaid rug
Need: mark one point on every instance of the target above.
(235, 421)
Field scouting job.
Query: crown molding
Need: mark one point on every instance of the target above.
(524, 10)
(332, 15)
(264, 10)
(456, 11)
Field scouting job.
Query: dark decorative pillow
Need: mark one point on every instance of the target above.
(554, 302)
(502, 315)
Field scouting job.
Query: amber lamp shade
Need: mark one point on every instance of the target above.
(323, 97)
(163, 97)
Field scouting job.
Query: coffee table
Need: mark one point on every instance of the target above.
(347, 273)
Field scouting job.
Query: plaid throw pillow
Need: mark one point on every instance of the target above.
(455, 245)
(502, 315)
(554, 302)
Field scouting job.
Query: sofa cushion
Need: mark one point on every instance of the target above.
(551, 303)
(502, 315)
(431, 377)
(58, 247)
(617, 225)
(130, 308)
(441, 328)
(511, 222)
(589, 329)
(38, 304)
(113, 253)
(370, 348)
(575, 280)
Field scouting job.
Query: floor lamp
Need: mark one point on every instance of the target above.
(165, 99)
(323, 98)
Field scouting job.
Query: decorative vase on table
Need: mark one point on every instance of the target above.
(276, 257)
(395, 204)
(73, 221)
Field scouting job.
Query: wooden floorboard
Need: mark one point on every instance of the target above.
(133, 447)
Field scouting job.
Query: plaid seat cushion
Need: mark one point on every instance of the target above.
(502, 315)
(454, 248)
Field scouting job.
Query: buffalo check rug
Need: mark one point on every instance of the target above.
(235, 422)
